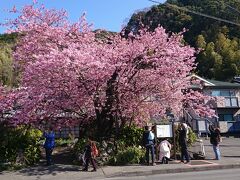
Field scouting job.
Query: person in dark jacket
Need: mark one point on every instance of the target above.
(49, 144)
(89, 156)
(183, 142)
(215, 140)
(148, 141)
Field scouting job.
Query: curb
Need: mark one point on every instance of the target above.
(171, 171)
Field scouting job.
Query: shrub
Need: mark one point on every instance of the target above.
(130, 136)
(32, 151)
(63, 142)
(131, 155)
(19, 145)
(79, 146)
(192, 137)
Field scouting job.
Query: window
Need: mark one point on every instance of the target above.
(230, 97)
(228, 102)
(226, 117)
(215, 93)
(223, 93)
(234, 101)
(231, 102)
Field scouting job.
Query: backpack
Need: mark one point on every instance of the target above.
(94, 150)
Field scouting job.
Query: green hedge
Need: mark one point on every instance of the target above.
(19, 145)
(130, 136)
(131, 155)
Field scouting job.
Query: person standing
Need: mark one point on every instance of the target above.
(183, 142)
(90, 154)
(148, 141)
(49, 144)
(215, 140)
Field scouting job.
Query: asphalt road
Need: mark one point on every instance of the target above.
(224, 174)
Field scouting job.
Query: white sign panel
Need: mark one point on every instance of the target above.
(202, 126)
(164, 130)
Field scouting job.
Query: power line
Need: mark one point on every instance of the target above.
(229, 6)
(197, 13)
(232, 8)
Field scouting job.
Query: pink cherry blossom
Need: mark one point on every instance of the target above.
(69, 76)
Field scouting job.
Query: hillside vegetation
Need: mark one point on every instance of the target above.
(218, 41)
(8, 74)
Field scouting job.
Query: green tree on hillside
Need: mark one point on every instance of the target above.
(218, 41)
(6, 67)
(8, 75)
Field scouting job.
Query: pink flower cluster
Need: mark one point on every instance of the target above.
(70, 76)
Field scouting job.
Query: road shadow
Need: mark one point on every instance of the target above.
(48, 170)
(63, 159)
(61, 155)
(232, 156)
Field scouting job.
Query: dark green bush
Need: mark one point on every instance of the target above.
(79, 146)
(124, 149)
(192, 137)
(19, 145)
(131, 155)
(130, 136)
(63, 142)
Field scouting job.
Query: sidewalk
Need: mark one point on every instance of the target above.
(230, 151)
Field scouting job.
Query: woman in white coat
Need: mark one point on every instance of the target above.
(164, 151)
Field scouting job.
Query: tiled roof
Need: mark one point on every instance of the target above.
(224, 84)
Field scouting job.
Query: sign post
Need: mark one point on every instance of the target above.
(174, 141)
(164, 130)
(167, 131)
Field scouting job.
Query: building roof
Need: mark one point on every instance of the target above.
(222, 84)
(216, 84)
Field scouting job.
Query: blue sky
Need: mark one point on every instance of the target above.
(104, 14)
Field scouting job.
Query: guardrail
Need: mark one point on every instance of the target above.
(198, 125)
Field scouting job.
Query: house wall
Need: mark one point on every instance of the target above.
(222, 109)
(237, 91)
(220, 100)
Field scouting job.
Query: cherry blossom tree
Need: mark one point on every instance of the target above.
(69, 76)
